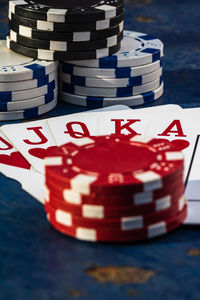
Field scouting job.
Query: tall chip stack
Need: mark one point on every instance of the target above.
(28, 87)
(132, 76)
(115, 188)
(62, 31)
(99, 65)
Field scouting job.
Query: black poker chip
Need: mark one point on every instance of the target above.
(67, 11)
(67, 27)
(66, 46)
(61, 55)
(66, 36)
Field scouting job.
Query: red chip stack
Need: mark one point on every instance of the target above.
(115, 188)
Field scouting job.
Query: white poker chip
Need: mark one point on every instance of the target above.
(109, 82)
(110, 92)
(29, 103)
(17, 67)
(28, 113)
(136, 49)
(28, 94)
(27, 84)
(98, 102)
(110, 73)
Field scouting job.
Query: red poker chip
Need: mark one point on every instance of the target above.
(104, 163)
(90, 234)
(100, 211)
(129, 190)
(128, 199)
(125, 223)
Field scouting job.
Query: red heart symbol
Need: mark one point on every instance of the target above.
(41, 153)
(181, 144)
(15, 159)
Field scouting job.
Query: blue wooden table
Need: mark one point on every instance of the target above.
(37, 262)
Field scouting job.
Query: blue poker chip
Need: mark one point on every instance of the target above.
(137, 49)
(28, 94)
(98, 102)
(110, 82)
(29, 103)
(125, 72)
(110, 92)
(16, 67)
(28, 113)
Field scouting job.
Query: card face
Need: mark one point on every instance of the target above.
(9, 156)
(15, 166)
(31, 181)
(32, 140)
(75, 126)
(193, 177)
(72, 127)
(132, 121)
(180, 128)
(192, 191)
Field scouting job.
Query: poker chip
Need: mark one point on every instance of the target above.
(129, 199)
(110, 92)
(123, 223)
(156, 208)
(132, 76)
(75, 30)
(160, 161)
(29, 93)
(110, 82)
(66, 27)
(98, 102)
(115, 188)
(28, 87)
(62, 222)
(61, 55)
(111, 206)
(28, 103)
(99, 73)
(136, 49)
(27, 84)
(28, 113)
(70, 11)
(15, 67)
(66, 36)
(66, 46)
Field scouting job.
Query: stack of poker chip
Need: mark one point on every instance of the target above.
(133, 76)
(115, 188)
(65, 30)
(28, 87)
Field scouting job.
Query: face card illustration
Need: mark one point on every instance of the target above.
(15, 166)
(32, 140)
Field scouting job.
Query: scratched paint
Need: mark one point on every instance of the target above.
(120, 275)
(194, 252)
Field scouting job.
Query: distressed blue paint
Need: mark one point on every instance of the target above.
(36, 262)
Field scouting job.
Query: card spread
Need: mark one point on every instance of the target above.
(22, 150)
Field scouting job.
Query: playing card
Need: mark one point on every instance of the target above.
(193, 175)
(32, 140)
(179, 127)
(15, 166)
(192, 192)
(70, 127)
(132, 121)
